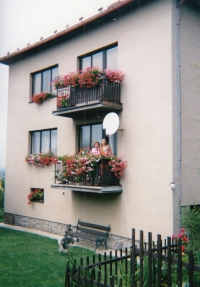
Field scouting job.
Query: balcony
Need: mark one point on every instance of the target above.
(99, 180)
(78, 102)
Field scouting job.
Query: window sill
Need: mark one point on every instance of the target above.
(37, 200)
(91, 189)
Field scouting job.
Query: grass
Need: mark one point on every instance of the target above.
(30, 260)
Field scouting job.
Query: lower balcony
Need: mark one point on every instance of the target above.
(76, 102)
(99, 180)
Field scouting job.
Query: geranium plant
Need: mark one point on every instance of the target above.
(35, 195)
(90, 77)
(87, 78)
(117, 165)
(114, 75)
(39, 98)
(84, 163)
(183, 237)
(62, 101)
(41, 159)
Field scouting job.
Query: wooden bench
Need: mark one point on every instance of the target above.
(86, 230)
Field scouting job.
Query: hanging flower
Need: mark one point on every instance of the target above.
(39, 98)
(41, 159)
(114, 75)
(183, 237)
(84, 163)
(87, 78)
(35, 194)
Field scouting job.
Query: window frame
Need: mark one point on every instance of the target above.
(104, 50)
(40, 144)
(42, 80)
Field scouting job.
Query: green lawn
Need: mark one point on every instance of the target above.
(30, 260)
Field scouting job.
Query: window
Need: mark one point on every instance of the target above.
(44, 141)
(105, 58)
(42, 80)
(91, 133)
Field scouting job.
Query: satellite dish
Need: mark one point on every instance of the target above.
(111, 123)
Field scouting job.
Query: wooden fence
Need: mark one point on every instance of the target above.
(148, 264)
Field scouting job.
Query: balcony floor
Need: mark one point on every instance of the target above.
(89, 109)
(90, 189)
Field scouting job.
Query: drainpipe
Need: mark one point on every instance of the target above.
(178, 111)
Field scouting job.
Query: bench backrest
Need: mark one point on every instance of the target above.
(96, 229)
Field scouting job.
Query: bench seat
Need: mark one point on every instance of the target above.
(89, 231)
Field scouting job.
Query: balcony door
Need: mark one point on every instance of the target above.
(94, 132)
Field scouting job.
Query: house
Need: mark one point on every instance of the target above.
(155, 44)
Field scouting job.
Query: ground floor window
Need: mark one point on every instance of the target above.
(44, 141)
(88, 134)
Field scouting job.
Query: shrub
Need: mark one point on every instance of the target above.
(2, 186)
(190, 219)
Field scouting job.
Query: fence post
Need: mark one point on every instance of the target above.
(150, 259)
(179, 263)
(84, 278)
(98, 278)
(67, 279)
(91, 277)
(79, 275)
(159, 253)
(110, 263)
(133, 257)
(141, 258)
(169, 264)
(191, 269)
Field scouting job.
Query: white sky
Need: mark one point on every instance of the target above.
(25, 21)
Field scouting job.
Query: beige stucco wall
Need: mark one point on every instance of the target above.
(144, 55)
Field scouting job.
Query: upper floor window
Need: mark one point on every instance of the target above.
(42, 80)
(105, 58)
(44, 141)
(88, 134)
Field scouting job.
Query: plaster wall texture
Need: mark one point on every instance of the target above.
(144, 55)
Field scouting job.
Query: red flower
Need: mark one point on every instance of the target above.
(184, 238)
(183, 248)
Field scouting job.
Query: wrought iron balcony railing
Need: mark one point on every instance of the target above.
(100, 175)
(69, 97)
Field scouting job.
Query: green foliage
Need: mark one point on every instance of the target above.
(1, 215)
(32, 260)
(2, 187)
(190, 220)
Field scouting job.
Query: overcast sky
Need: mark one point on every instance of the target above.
(25, 21)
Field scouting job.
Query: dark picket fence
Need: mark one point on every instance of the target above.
(147, 264)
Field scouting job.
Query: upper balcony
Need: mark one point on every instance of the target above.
(78, 102)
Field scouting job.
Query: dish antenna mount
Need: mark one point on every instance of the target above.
(111, 123)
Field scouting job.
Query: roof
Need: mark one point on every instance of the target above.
(114, 10)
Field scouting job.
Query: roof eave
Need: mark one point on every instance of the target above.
(103, 16)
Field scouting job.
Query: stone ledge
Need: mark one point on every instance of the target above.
(114, 242)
